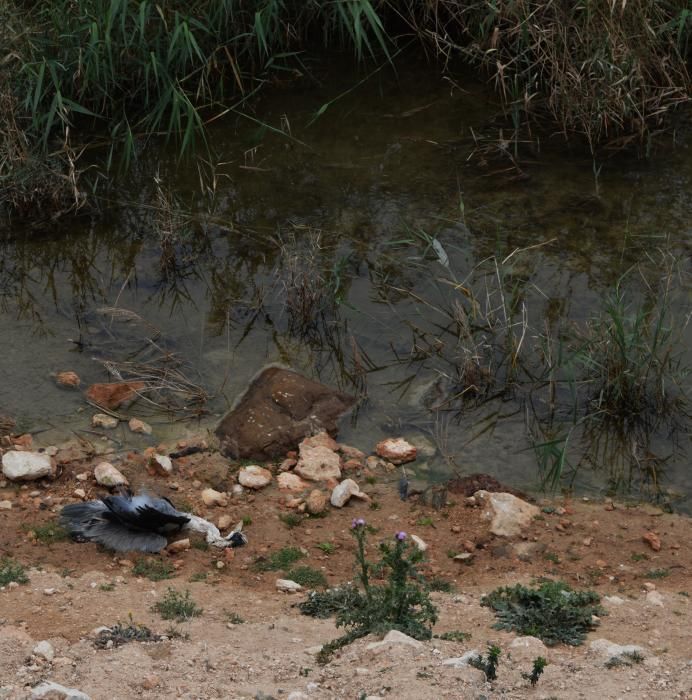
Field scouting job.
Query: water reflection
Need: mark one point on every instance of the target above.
(382, 176)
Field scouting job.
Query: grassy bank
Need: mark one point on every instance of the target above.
(118, 72)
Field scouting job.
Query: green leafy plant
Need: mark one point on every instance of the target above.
(153, 569)
(247, 520)
(489, 664)
(402, 602)
(627, 658)
(177, 606)
(291, 520)
(107, 587)
(553, 612)
(198, 576)
(441, 585)
(11, 571)
(657, 573)
(282, 559)
(233, 618)
(327, 547)
(332, 602)
(307, 577)
(539, 664)
(453, 636)
(50, 533)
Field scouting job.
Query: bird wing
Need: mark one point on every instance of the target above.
(93, 521)
(143, 512)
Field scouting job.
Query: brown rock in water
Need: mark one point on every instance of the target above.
(68, 379)
(114, 394)
(277, 411)
(396, 450)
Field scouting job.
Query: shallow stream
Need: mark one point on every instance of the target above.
(355, 199)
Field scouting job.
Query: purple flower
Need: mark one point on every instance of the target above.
(357, 522)
(401, 536)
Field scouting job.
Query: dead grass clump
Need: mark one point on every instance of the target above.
(611, 71)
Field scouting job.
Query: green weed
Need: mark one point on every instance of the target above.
(454, 636)
(401, 603)
(307, 577)
(291, 520)
(656, 573)
(553, 612)
(488, 664)
(177, 606)
(539, 664)
(327, 547)
(11, 571)
(153, 569)
(282, 559)
(49, 533)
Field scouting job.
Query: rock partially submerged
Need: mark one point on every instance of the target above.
(277, 411)
(26, 466)
(396, 450)
(114, 394)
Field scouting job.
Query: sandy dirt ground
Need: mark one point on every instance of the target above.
(252, 642)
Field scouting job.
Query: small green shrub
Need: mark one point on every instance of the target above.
(657, 573)
(440, 585)
(553, 612)
(280, 560)
(247, 520)
(402, 602)
(198, 577)
(11, 571)
(488, 665)
(107, 587)
(307, 576)
(627, 658)
(291, 520)
(539, 664)
(153, 569)
(332, 602)
(177, 606)
(327, 547)
(454, 636)
(49, 533)
(233, 618)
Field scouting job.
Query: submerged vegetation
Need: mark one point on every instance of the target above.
(118, 73)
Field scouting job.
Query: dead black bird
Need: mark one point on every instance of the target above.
(126, 522)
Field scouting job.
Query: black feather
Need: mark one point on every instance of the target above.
(124, 522)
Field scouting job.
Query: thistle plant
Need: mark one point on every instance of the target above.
(401, 603)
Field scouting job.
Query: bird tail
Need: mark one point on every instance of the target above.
(86, 522)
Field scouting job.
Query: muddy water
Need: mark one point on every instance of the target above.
(355, 198)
